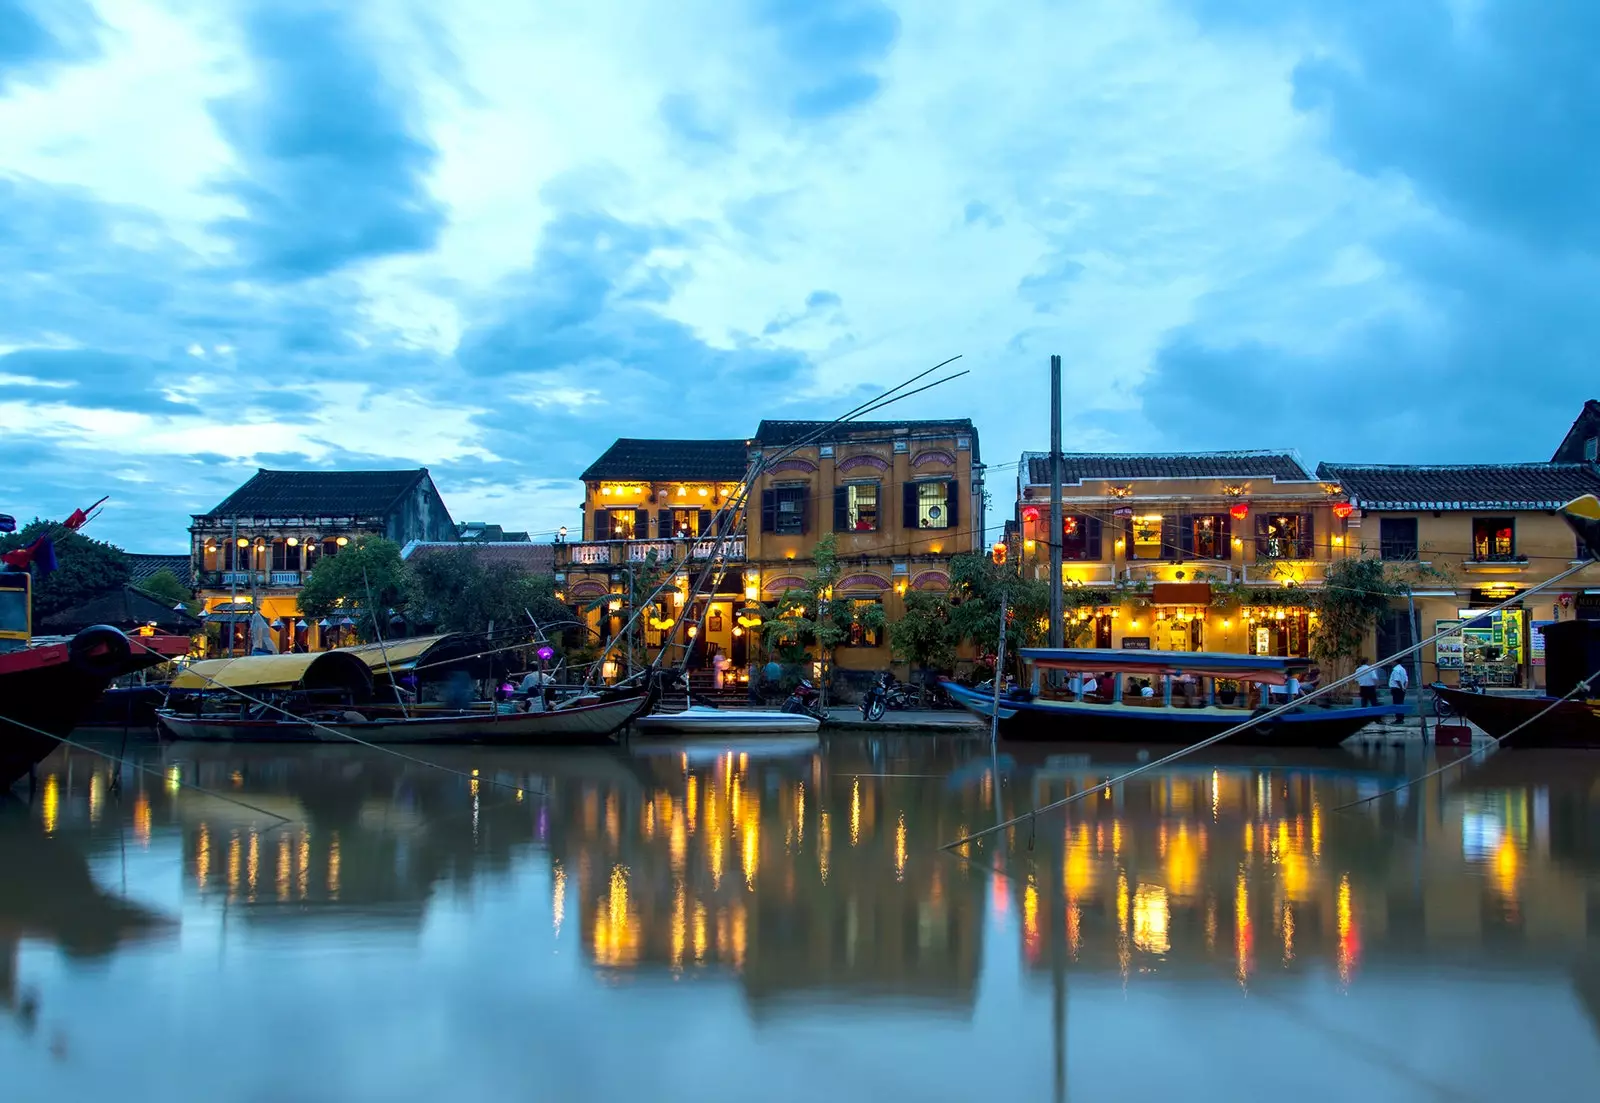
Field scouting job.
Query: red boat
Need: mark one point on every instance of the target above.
(47, 687)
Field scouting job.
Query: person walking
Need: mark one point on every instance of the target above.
(1398, 681)
(1367, 681)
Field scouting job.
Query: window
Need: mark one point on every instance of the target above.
(855, 508)
(622, 524)
(783, 510)
(1591, 449)
(1205, 536)
(285, 558)
(1493, 538)
(862, 609)
(1080, 538)
(1146, 542)
(1397, 538)
(677, 523)
(1284, 536)
(934, 504)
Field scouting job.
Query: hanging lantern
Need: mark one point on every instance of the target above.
(1342, 510)
(1239, 510)
(1030, 513)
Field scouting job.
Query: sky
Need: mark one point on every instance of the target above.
(489, 237)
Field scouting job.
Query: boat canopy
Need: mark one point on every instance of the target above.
(1272, 669)
(310, 670)
(402, 656)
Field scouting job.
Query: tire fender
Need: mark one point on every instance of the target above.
(101, 651)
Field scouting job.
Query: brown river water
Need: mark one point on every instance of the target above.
(773, 921)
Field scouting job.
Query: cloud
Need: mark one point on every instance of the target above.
(90, 380)
(332, 169)
(830, 49)
(37, 35)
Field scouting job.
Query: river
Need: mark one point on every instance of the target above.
(777, 922)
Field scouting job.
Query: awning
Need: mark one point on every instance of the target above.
(1272, 669)
(307, 670)
(403, 655)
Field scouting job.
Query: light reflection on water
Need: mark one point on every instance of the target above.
(688, 927)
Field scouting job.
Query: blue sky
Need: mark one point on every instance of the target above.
(488, 237)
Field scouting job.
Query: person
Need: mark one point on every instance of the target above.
(1367, 681)
(1398, 681)
(720, 664)
(536, 688)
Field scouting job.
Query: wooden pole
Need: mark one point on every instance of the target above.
(1057, 521)
(999, 680)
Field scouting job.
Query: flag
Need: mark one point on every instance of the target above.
(80, 516)
(41, 553)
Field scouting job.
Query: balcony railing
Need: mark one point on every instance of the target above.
(608, 552)
(218, 579)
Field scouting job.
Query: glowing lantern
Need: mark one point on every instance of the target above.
(998, 554)
(1342, 510)
(1239, 511)
(1030, 513)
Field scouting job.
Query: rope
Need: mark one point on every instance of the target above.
(1252, 722)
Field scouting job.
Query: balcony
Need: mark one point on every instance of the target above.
(605, 553)
(278, 580)
(1495, 564)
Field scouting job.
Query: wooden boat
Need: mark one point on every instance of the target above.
(705, 720)
(1571, 658)
(47, 686)
(1122, 718)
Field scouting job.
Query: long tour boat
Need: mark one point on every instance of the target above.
(1164, 697)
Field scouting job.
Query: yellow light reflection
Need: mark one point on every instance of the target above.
(900, 848)
(1507, 868)
(825, 846)
(650, 820)
(97, 797)
(692, 800)
(1316, 831)
(1211, 924)
(1151, 917)
(141, 819)
(202, 857)
(1124, 956)
(252, 864)
(716, 857)
(1030, 920)
(800, 813)
(1296, 877)
(1183, 864)
(50, 804)
(1116, 838)
(1216, 782)
(613, 820)
(1349, 942)
(750, 837)
(699, 933)
(616, 930)
(678, 845)
(855, 812)
(1288, 932)
(1074, 929)
(558, 896)
(235, 852)
(680, 923)
(1242, 936)
(174, 779)
(303, 866)
(284, 862)
(333, 866)
(740, 934)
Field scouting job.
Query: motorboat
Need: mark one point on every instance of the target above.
(706, 720)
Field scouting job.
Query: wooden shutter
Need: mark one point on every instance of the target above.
(1092, 538)
(663, 526)
(703, 525)
(841, 509)
(805, 510)
(602, 524)
(1261, 537)
(641, 524)
(769, 511)
(952, 503)
(1185, 536)
(909, 500)
(1308, 536)
(1224, 536)
(1169, 543)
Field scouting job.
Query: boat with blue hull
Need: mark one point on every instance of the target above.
(1184, 704)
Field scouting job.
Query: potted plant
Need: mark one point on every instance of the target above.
(1227, 691)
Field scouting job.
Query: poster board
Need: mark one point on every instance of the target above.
(1536, 642)
(1449, 651)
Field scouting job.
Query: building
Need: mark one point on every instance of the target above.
(901, 498)
(143, 565)
(480, 532)
(254, 550)
(523, 555)
(1184, 551)
(1485, 532)
(1582, 442)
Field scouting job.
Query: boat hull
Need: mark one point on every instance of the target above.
(1570, 724)
(593, 723)
(1071, 722)
(698, 720)
(45, 692)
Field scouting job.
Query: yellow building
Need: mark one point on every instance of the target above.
(901, 498)
(1184, 551)
(1485, 533)
(251, 553)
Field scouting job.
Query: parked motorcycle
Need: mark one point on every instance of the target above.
(806, 701)
(875, 700)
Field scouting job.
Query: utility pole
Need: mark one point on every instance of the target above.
(233, 584)
(1057, 521)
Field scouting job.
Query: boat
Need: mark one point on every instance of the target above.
(48, 684)
(1041, 714)
(707, 720)
(328, 696)
(1565, 715)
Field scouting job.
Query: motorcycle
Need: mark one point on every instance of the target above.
(901, 697)
(805, 701)
(875, 700)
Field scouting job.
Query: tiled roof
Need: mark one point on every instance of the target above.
(318, 493)
(1462, 486)
(780, 433)
(1078, 466)
(1584, 427)
(484, 533)
(667, 460)
(141, 566)
(125, 607)
(534, 558)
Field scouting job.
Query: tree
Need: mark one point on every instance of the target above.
(808, 617)
(166, 586)
(923, 637)
(1357, 592)
(85, 568)
(457, 592)
(363, 581)
(977, 585)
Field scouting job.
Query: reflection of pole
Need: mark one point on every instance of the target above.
(1416, 661)
(999, 680)
(1058, 1015)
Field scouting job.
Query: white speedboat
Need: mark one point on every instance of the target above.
(704, 720)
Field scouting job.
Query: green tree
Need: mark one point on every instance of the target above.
(85, 568)
(1357, 592)
(166, 586)
(977, 585)
(457, 592)
(923, 637)
(808, 617)
(363, 582)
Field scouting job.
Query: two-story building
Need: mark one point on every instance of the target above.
(251, 553)
(901, 498)
(1184, 551)
(1486, 532)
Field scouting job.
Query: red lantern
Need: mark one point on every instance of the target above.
(1342, 510)
(1030, 513)
(1239, 511)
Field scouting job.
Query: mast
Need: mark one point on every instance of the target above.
(1057, 521)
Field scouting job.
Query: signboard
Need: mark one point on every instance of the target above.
(1263, 641)
(1136, 643)
(1536, 641)
(1449, 651)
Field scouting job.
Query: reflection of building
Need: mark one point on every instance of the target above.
(252, 552)
(801, 882)
(1183, 552)
(1487, 531)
